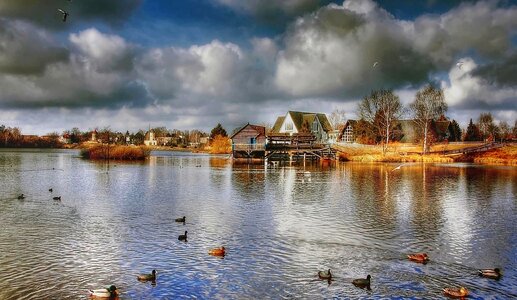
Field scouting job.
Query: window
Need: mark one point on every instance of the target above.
(315, 126)
(289, 126)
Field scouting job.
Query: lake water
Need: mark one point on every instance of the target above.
(280, 225)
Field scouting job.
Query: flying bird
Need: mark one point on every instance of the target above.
(64, 13)
(375, 64)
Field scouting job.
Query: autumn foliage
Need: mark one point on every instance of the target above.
(220, 145)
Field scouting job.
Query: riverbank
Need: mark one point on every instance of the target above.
(506, 155)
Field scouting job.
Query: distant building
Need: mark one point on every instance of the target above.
(94, 136)
(295, 122)
(150, 139)
(65, 139)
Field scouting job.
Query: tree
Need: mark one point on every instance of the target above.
(429, 104)
(381, 109)
(504, 129)
(514, 129)
(486, 125)
(472, 133)
(218, 130)
(337, 117)
(454, 131)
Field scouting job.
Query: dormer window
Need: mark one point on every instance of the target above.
(288, 126)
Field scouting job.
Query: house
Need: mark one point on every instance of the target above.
(150, 139)
(65, 139)
(296, 122)
(347, 133)
(249, 141)
(403, 130)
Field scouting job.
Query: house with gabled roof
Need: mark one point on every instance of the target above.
(296, 122)
(249, 141)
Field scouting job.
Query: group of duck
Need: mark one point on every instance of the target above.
(22, 196)
(423, 258)
(111, 292)
(221, 251)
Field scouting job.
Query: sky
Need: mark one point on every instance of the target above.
(131, 64)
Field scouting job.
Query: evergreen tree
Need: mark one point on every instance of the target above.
(218, 130)
(454, 132)
(473, 133)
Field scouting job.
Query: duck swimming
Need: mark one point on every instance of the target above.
(456, 293)
(325, 274)
(147, 277)
(419, 257)
(57, 198)
(110, 292)
(217, 251)
(180, 220)
(183, 237)
(362, 282)
(21, 197)
(490, 273)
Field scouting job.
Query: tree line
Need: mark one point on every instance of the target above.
(381, 113)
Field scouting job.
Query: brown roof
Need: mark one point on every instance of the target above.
(261, 130)
(299, 117)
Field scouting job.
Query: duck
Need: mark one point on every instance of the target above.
(183, 237)
(50, 190)
(181, 220)
(217, 251)
(21, 197)
(460, 292)
(57, 198)
(109, 292)
(147, 277)
(362, 282)
(490, 273)
(325, 274)
(419, 257)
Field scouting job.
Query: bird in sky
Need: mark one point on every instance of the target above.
(375, 64)
(64, 13)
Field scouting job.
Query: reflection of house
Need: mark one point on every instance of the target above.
(150, 139)
(303, 122)
(249, 141)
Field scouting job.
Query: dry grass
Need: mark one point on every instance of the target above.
(506, 155)
(410, 153)
(116, 152)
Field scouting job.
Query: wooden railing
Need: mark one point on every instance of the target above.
(248, 147)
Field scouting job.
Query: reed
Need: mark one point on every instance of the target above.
(116, 152)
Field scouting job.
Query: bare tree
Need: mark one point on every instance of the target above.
(381, 109)
(337, 117)
(486, 124)
(504, 128)
(429, 104)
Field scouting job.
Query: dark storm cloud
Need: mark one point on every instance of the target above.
(26, 49)
(44, 12)
(502, 73)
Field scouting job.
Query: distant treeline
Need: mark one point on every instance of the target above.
(11, 137)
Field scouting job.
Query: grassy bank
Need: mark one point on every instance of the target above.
(115, 152)
(506, 155)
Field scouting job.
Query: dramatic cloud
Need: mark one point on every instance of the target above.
(25, 49)
(332, 52)
(202, 73)
(98, 73)
(46, 13)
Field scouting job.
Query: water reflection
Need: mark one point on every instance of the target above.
(279, 224)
